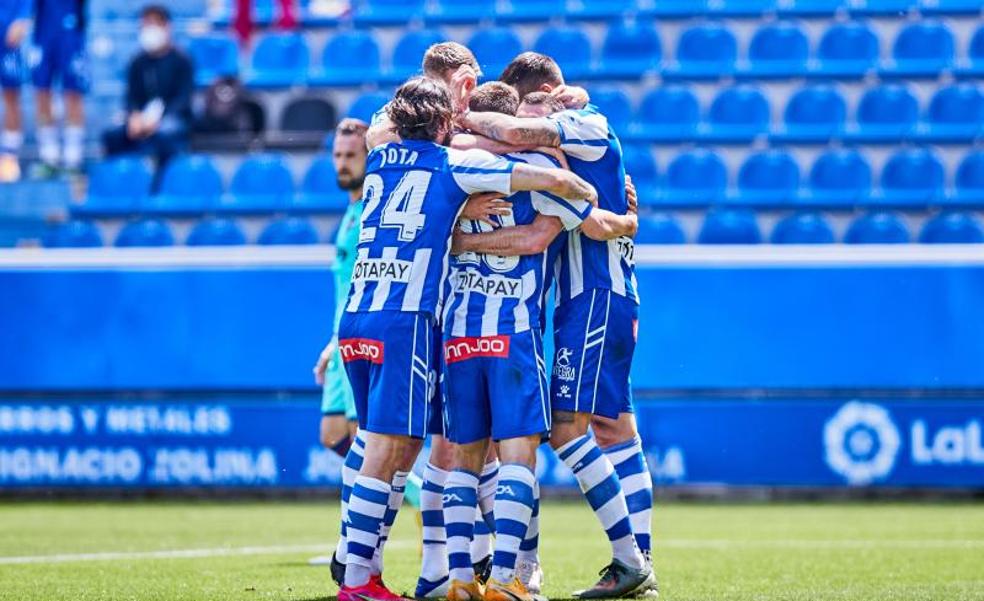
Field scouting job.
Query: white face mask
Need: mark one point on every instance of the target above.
(153, 38)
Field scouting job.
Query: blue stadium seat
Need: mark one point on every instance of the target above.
(768, 178)
(659, 228)
(738, 114)
(319, 190)
(729, 226)
(922, 49)
(456, 11)
(366, 105)
(190, 183)
(74, 233)
(533, 10)
(145, 232)
(952, 228)
(803, 228)
(261, 183)
(950, 7)
(814, 114)
(811, 8)
(695, 178)
(668, 113)
(839, 178)
(216, 231)
(912, 177)
(974, 66)
(602, 9)
(495, 47)
(640, 164)
(877, 228)
(349, 58)
(214, 55)
(705, 51)
(778, 50)
(956, 114)
(887, 113)
(116, 186)
(289, 230)
(847, 50)
(279, 60)
(386, 12)
(614, 104)
(630, 50)
(409, 53)
(569, 46)
(969, 180)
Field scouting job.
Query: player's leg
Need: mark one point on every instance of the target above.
(12, 137)
(528, 561)
(520, 418)
(75, 83)
(434, 557)
(481, 549)
(619, 439)
(580, 388)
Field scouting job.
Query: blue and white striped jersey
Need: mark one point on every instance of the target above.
(594, 153)
(493, 295)
(412, 196)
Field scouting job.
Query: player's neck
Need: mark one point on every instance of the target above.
(355, 195)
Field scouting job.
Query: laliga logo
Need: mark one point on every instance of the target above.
(861, 442)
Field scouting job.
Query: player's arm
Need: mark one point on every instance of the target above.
(479, 171)
(530, 239)
(565, 184)
(604, 225)
(515, 131)
(466, 141)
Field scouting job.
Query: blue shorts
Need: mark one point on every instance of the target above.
(336, 396)
(60, 59)
(395, 396)
(11, 67)
(495, 386)
(595, 338)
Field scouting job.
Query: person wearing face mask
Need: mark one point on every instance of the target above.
(160, 83)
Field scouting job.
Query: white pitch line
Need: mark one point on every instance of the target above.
(180, 553)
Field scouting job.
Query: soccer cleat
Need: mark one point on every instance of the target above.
(483, 569)
(530, 574)
(618, 580)
(374, 590)
(649, 589)
(337, 571)
(426, 589)
(507, 591)
(465, 591)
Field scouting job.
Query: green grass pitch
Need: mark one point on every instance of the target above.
(258, 551)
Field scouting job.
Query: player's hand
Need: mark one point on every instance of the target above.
(485, 206)
(572, 97)
(456, 242)
(322, 365)
(630, 195)
(16, 32)
(135, 126)
(463, 83)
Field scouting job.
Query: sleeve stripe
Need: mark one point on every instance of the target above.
(594, 142)
(567, 205)
(479, 170)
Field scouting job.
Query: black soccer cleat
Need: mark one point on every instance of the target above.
(483, 569)
(337, 571)
(618, 580)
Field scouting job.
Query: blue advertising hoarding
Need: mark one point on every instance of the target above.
(929, 443)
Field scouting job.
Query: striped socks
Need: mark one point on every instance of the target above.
(513, 509)
(485, 518)
(530, 547)
(434, 563)
(397, 488)
(367, 509)
(460, 504)
(350, 469)
(600, 484)
(637, 485)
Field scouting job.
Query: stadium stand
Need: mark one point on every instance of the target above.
(799, 113)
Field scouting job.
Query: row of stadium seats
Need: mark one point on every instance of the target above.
(706, 51)
(912, 177)
(815, 113)
(720, 226)
(396, 12)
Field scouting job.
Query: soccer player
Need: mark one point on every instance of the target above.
(595, 326)
(413, 193)
(15, 20)
(495, 376)
(59, 56)
(339, 423)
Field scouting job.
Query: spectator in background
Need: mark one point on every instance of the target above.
(59, 55)
(160, 83)
(15, 20)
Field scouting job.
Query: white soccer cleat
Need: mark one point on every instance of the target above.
(530, 573)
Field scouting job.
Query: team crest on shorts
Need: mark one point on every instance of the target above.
(563, 370)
